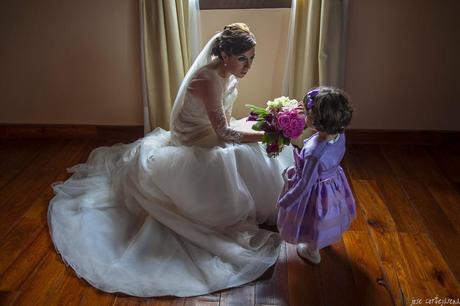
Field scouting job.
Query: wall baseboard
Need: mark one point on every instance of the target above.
(34, 131)
(415, 137)
(354, 136)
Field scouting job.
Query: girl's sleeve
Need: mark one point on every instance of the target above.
(302, 187)
(211, 95)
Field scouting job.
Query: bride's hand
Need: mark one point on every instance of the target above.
(242, 125)
(252, 137)
(245, 128)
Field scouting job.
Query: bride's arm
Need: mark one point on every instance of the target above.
(224, 131)
(211, 97)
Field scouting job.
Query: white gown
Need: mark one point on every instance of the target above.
(174, 213)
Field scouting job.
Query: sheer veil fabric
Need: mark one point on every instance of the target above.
(174, 213)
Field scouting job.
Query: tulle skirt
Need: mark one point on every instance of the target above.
(151, 218)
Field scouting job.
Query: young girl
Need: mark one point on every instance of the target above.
(317, 205)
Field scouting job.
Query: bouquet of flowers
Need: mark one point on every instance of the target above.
(282, 120)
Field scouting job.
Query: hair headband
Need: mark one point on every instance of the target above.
(309, 98)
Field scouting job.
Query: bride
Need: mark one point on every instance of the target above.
(176, 213)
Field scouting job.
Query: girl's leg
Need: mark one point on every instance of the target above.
(306, 252)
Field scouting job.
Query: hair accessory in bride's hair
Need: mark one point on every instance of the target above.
(309, 98)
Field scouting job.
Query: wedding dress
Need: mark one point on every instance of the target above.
(174, 213)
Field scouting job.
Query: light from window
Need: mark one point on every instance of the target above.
(243, 4)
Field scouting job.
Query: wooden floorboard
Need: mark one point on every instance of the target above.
(15, 156)
(272, 288)
(92, 296)
(403, 213)
(304, 280)
(367, 273)
(337, 283)
(403, 245)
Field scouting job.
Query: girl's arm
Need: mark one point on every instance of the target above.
(302, 187)
(298, 142)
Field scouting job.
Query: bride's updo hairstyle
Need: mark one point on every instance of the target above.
(235, 39)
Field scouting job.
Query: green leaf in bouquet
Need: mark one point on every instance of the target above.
(257, 126)
(280, 142)
(257, 109)
(286, 140)
(254, 107)
(266, 138)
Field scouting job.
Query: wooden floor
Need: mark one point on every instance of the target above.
(403, 246)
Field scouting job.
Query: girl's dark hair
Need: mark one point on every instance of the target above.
(234, 40)
(330, 111)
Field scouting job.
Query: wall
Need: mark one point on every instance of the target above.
(77, 62)
(270, 26)
(403, 64)
(70, 62)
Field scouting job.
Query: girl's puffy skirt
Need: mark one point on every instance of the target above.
(323, 217)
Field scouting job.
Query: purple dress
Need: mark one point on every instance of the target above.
(316, 205)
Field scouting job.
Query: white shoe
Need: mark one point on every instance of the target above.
(304, 252)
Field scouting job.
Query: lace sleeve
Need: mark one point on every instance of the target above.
(228, 113)
(211, 95)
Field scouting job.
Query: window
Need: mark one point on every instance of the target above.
(243, 4)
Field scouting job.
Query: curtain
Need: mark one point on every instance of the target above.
(316, 47)
(169, 42)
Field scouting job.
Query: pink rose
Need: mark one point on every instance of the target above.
(299, 123)
(296, 133)
(293, 114)
(283, 121)
(288, 132)
(294, 124)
